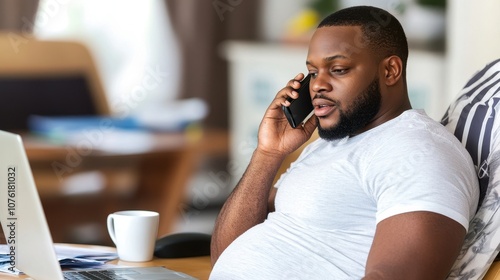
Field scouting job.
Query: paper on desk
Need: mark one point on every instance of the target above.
(68, 257)
(87, 256)
(113, 141)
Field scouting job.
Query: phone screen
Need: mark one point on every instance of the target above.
(301, 107)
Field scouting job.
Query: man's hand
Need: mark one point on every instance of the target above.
(276, 136)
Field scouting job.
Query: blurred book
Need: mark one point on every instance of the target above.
(173, 117)
(55, 126)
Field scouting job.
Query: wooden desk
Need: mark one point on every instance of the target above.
(198, 267)
(151, 179)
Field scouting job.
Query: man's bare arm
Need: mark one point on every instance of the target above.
(248, 203)
(414, 245)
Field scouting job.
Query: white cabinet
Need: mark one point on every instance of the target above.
(256, 73)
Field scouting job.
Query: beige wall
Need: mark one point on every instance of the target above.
(473, 40)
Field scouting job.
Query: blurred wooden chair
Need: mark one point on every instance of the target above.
(52, 78)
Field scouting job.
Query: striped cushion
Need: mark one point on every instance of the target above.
(472, 118)
(472, 115)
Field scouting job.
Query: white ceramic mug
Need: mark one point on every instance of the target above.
(134, 233)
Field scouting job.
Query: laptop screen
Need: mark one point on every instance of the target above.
(21, 214)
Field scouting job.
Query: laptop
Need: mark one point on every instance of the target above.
(25, 227)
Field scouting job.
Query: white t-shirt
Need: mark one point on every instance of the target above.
(330, 200)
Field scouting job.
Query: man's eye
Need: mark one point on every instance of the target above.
(340, 71)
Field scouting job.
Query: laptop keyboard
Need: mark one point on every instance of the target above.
(121, 272)
(93, 275)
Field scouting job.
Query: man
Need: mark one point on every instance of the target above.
(385, 193)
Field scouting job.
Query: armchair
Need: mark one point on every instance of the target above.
(473, 118)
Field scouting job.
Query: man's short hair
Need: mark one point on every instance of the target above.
(381, 31)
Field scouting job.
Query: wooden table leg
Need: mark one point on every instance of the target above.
(163, 185)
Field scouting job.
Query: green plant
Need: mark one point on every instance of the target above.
(433, 3)
(324, 7)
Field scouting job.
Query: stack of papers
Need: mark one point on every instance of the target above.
(69, 257)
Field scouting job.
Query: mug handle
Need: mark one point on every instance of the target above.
(111, 228)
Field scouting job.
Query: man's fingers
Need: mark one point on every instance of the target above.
(289, 92)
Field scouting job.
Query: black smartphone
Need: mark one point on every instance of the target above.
(301, 107)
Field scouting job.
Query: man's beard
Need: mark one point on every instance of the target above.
(362, 111)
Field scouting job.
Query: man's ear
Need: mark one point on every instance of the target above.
(393, 70)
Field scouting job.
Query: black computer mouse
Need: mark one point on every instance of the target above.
(183, 245)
